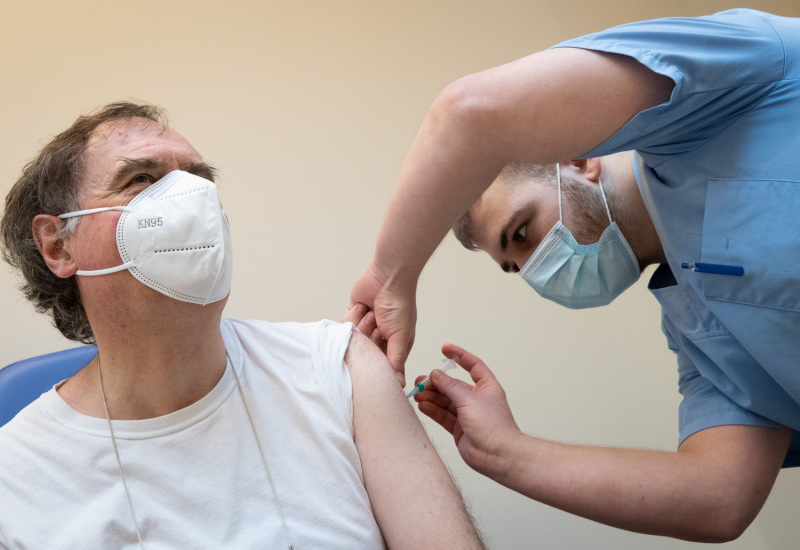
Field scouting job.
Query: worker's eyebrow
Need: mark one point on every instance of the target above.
(504, 233)
(130, 166)
(505, 266)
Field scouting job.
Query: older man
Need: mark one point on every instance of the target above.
(188, 430)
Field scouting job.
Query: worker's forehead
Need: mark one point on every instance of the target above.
(499, 203)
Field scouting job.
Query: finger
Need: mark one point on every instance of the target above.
(443, 417)
(471, 363)
(455, 390)
(397, 352)
(379, 340)
(368, 324)
(354, 313)
(435, 397)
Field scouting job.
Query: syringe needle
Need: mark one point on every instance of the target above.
(446, 365)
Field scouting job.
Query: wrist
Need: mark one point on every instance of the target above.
(401, 277)
(506, 457)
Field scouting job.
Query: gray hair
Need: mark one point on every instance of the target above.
(49, 184)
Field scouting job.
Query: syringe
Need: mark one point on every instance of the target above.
(446, 365)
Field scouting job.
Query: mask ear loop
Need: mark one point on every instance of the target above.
(605, 201)
(558, 175)
(95, 211)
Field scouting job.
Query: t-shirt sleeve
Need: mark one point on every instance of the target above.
(330, 345)
(723, 65)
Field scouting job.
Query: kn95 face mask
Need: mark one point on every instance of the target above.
(174, 238)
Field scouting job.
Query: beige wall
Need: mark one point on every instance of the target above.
(308, 108)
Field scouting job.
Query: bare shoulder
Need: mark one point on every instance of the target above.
(363, 355)
(379, 402)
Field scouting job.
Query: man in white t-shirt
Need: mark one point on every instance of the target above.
(189, 430)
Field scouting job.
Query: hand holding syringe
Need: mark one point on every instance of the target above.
(446, 365)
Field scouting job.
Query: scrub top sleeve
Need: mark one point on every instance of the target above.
(703, 405)
(722, 66)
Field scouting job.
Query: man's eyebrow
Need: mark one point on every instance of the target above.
(131, 166)
(202, 169)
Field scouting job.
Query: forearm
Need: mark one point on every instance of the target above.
(541, 109)
(687, 494)
(447, 168)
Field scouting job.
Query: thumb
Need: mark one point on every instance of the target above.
(397, 348)
(454, 389)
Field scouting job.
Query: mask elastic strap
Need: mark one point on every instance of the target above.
(558, 174)
(605, 201)
(106, 271)
(94, 211)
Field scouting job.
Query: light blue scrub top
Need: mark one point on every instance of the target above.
(719, 169)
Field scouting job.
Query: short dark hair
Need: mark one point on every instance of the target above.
(49, 185)
(512, 174)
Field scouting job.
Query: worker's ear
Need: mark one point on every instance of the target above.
(52, 246)
(589, 168)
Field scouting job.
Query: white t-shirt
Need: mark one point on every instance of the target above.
(195, 476)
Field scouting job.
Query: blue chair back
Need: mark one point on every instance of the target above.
(22, 382)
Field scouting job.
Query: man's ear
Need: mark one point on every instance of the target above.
(589, 168)
(51, 245)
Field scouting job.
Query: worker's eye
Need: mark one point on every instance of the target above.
(519, 234)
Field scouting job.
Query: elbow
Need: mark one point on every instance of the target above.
(717, 536)
(461, 100)
(467, 110)
(732, 528)
(725, 524)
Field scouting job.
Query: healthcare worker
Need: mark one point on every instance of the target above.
(710, 108)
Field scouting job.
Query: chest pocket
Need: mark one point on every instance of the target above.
(754, 224)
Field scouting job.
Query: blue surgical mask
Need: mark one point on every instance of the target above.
(578, 276)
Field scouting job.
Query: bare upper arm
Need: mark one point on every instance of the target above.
(415, 501)
(744, 462)
(557, 104)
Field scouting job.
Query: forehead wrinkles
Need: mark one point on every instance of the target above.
(107, 144)
(119, 132)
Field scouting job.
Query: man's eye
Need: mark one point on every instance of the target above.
(143, 178)
(519, 235)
